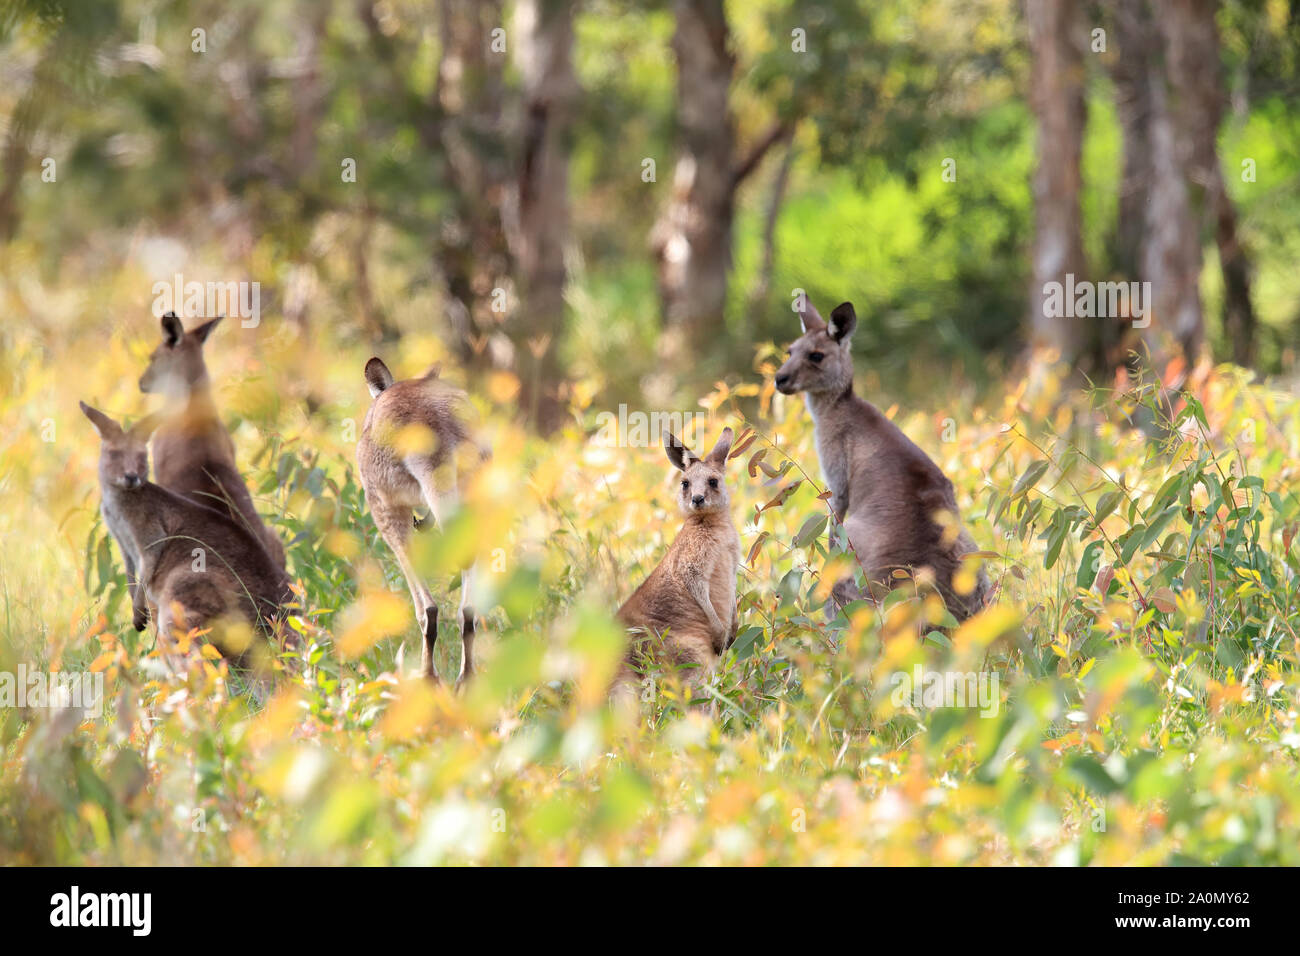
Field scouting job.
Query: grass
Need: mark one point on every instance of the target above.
(1144, 641)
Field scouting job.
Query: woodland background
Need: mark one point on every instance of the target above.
(470, 182)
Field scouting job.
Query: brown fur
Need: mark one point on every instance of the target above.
(687, 606)
(884, 489)
(158, 531)
(397, 482)
(193, 453)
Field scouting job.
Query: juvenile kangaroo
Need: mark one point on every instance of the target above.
(896, 505)
(690, 598)
(193, 453)
(396, 482)
(159, 531)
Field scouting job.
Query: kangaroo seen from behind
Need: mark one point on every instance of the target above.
(193, 453)
(690, 597)
(895, 503)
(159, 533)
(397, 481)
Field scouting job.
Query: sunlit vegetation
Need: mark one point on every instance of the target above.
(1144, 643)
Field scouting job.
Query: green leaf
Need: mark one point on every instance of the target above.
(1087, 574)
(1030, 476)
(810, 531)
(745, 641)
(1092, 775)
(1056, 537)
(1105, 505)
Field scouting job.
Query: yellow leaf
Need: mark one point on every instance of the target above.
(377, 615)
(413, 709)
(276, 722)
(985, 627)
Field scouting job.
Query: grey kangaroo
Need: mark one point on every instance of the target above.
(159, 531)
(193, 453)
(691, 594)
(897, 507)
(397, 481)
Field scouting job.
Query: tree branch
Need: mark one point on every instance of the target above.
(780, 130)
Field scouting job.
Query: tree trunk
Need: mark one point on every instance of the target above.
(1197, 96)
(1171, 255)
(308, 87)
(466, 129)
(18, 142)
(1136, 44)
(371, 313)
(763, 286)
(1056, 31)
(544, 54)
(692, 239)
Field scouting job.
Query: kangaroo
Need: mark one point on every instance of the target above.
(396, 482)
(158, 532)
(690, 597)
(193, 453)
(895, 503)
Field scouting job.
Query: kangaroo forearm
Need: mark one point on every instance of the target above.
(699, 587)
(132, 578)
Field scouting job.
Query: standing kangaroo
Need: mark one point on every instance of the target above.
(690, 598)
(397, 481)
(162, 536)
(896, 505)
(193, 453)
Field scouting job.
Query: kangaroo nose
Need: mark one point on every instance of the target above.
(697, 500)
(132, 479)
(783, 379)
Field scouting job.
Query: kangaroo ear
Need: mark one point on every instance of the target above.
(203, 331)
(172, 329)
(105, 426)
(722, 448)
(145, 426)
(678, 453)
(378, 377)
(843, 321)
(809, 318)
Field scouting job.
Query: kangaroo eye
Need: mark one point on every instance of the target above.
(713, 482)
(685, 485)
(816, 356)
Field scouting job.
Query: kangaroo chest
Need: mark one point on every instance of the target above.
(859, 451)
(712, 552)
(835, 449)
(722, 585)
(119, 527)
(137, 525)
